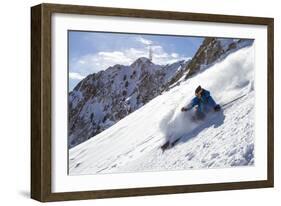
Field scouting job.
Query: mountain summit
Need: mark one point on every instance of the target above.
(102, 99)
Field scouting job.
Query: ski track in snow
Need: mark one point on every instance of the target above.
(225, 139)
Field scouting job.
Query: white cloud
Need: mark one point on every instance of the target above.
(115, 56)
(75, 76)
(93, 63)
(144, 41)
(175, 55)
(81, 61)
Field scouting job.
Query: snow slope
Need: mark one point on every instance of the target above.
(224, 139)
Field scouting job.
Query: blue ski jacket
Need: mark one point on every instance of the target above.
(204, 103)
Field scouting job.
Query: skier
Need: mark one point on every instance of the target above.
(203, 102)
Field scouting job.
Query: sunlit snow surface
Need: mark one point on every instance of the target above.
(224, 139)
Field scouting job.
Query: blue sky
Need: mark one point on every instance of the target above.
(91, 52)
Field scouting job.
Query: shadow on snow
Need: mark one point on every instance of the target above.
(214, 120)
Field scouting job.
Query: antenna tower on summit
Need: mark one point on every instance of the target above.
(150, 52)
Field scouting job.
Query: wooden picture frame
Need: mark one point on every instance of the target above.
(41, 116)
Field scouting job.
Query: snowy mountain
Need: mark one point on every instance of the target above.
(223, 139)
(104, 98)
(213, 49)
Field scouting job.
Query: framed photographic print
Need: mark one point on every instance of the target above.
(128, 102)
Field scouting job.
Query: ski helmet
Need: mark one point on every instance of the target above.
(198, 89)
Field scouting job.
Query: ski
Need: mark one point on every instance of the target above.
(169, 145)
(234, 100)
(165, 146)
